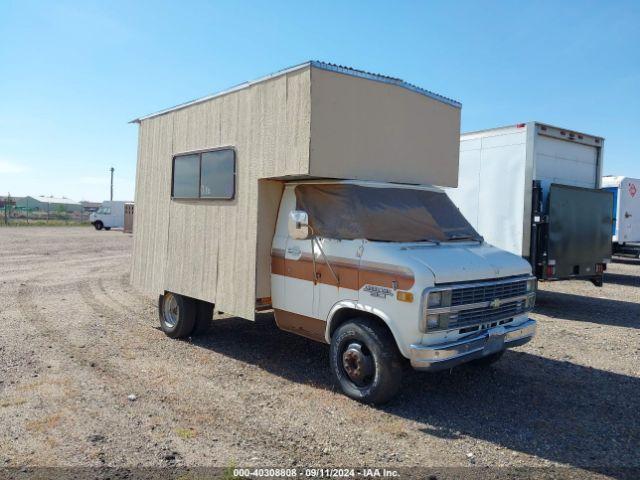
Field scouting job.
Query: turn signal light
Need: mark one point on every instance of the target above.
(404, 296)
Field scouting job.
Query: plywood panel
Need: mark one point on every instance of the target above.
(366, 129)
(210, 246)
(269, 195)
(152, 202)
(191, 263)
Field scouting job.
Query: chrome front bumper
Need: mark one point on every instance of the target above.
(448, 355)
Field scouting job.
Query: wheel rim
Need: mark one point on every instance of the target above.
(358, 364)
(170, 311)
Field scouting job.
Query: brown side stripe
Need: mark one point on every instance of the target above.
(351, 276)
(309, 327)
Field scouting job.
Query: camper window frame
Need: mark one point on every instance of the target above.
(200, 153)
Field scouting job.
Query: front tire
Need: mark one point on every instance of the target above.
(177, 315)
(98, 225)
(365, 361)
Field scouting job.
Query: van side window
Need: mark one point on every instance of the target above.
(208, 175)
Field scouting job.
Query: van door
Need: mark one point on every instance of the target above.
(338, 279)
(110, 218)
(291, 268)
(105, 216)
(298, 283)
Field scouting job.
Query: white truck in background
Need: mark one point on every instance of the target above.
(626, 213)
(109, 215)
(534, 190)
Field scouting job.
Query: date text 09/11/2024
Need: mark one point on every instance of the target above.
(315, 472)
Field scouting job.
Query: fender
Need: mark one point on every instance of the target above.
(355, 305)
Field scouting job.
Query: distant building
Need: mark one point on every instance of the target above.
(48, 204)
(11, 201)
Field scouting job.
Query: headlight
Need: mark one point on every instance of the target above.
(530, 302)
(434, 299)
(432, 321)
(531, 285)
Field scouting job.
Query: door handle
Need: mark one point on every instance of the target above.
(293, 250)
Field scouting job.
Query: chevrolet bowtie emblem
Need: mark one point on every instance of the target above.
(495, 303)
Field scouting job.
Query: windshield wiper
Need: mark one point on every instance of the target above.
(454, 238)
(430, 240)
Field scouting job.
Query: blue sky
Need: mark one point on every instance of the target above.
(72, 74)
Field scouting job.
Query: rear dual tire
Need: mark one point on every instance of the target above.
(182, 316)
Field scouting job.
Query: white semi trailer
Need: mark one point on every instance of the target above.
(626, 213)
(534, 190)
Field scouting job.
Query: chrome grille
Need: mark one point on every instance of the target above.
(465, 318)
(467, 306)
(488, 292)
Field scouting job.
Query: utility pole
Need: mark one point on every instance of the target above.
(111, 197)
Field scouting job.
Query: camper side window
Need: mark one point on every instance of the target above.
(218, 174)
(210, 175)
(186, 176)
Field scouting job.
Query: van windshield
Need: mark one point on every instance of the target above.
(385, 214)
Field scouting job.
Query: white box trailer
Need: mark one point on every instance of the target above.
(534, 189)
(109, 215)
(626, 213)
(315, 120)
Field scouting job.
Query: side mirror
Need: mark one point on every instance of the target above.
(298, 225)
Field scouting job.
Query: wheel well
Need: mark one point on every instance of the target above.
(345, 314)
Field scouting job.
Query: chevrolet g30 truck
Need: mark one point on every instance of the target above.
(297, 193)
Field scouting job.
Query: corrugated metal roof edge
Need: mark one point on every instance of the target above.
(532, 122)
(312, 63)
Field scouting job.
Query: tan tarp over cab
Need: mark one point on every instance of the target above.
(346, 211)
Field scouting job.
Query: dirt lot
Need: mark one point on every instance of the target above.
(77, 340)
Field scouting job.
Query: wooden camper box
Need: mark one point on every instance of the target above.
(315, 120)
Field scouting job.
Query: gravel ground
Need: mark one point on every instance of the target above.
(77, 341)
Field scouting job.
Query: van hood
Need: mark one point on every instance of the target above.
(464, 262)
